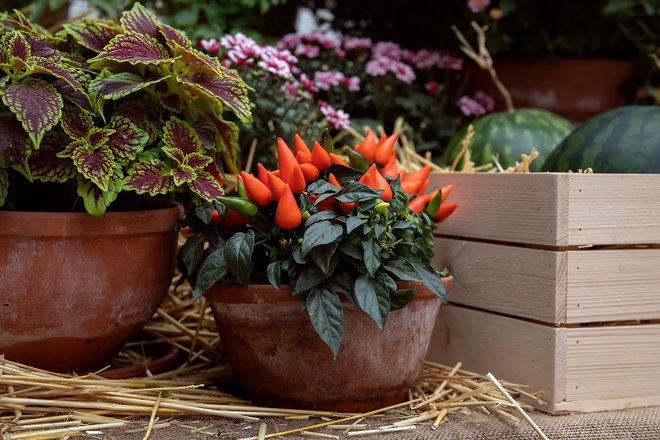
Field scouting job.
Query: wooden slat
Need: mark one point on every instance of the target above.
(512, 280)
(613, 285)
(612, 362)
(512, 349)
(554, 209)
(557, 287)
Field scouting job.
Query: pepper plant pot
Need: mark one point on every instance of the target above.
(277, 356)
(74, 288)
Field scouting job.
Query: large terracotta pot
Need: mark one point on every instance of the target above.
(276, 354)
(74, 288)
(576, 89)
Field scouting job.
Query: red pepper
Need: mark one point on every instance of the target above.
(445, 211)
(310, 171)
(299, 145)
(368, 146)
(258, 192)
(411, 186)
(320, 157)
(390, 169)
(215, 217)
(336, 160)
(418, 203)
(276, 185)
(373, 179)
(421, 174)
(303, 157)
(296, 180)
(262, 173)
(385, 150)
(285, 158)
(288, 214)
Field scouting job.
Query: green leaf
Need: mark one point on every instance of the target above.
(320, 233)
(371, 251)
(321, 215)
(326, 141)
(97, 200)
(401, 298)
(354, 222)
(4, 185)
(238, 254)
(213, 269)
(357, 192)
(431, 279)
(310, 277)
(36, 104)
(402, 269)
(204, 212)
(191, 252)
(352, 250)
(327, 317)
(372, 299)
(274, 274)
(322, 256)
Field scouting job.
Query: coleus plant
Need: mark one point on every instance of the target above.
(325, 226)
(128, 106)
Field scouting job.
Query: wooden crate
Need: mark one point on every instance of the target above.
(557, 285)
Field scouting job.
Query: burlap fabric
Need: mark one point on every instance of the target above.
(633, 424)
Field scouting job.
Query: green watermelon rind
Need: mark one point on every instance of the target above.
(622, 140)
(509, 135)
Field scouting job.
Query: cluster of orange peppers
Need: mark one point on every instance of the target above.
(305, 166)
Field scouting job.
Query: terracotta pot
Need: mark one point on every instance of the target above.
(574, 88)
(74, 288)
(276, 354)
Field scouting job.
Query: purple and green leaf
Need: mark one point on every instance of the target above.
(174, 36)
(127, 139)
(4, 185)
(98, 137)
(151, 176)
(183, 174)
(76, 122)
(96, 165)
(51, 67)
(142, 21)
(120, 84)
(134, 49)
(92, 33)
(206, 186)
(229, 89)
(36, 104)
(207, 133)
(44, 163)
(97, 200)
(15, 145)
(15, 46)
(178, 134)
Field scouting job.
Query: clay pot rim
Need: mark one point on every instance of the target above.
(265, 293)
(72, 224)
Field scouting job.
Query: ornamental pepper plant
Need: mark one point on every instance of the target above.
(103, 110)
(329, 223)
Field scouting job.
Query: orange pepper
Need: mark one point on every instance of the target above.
(418, 203)
(411, 186)
(296, 180)
(390, 169)
(310, 171)
(385, 150)
(285, 158)
(445, 192)
(303, 157)
(373, 179)
(320, 157)
(276, 184)
(299, 145)
(445, 211)
(258, 192)
(336, 160)
(368, 146)
(262, 173)
(421, 174)
(288, 214)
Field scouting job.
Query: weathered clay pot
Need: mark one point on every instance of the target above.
(276, 354)
(74, 288)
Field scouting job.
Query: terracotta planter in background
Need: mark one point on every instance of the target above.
(74, 288)
(276, 354)
(576, 89)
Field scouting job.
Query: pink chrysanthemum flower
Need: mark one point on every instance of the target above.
(470, 107)
(450, 62)
(307, 83)
(336, 118)
(403, 72)
(485, 100)
(325, 80)
(478, 5)
(387, 49)
(352, 83)
(355, 43)
(308, 50)
(211, 46)
(433, 87)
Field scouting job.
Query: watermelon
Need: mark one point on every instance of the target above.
(509, 135)
(623, 140)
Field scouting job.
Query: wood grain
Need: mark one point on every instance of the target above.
(553, 209)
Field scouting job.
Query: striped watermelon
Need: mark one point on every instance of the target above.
(623, 140)
(509, 135)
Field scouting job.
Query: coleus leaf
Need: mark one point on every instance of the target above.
(78, 97)
(76, 122)
(4, 185)
(97, 200)
(39, 48)
(206, 186)
(183, 174)
(36, 104)
(14, 45)
(228, 88)
(98, 137)
(180, 135)
(190, 61)
(140, 20)
(135, 49)
(15, 145)
(51, 67)
(174, 37)
(92, 33)
(95, 164)
(197, 160)
(46, 165)
(140, 113)
(120, 84)
(127, 139)
(207, 134)
(149, 175)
